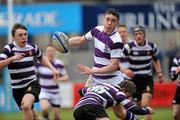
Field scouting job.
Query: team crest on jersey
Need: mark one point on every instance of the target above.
(106, 48)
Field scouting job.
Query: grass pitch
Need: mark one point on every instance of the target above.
(66, 114)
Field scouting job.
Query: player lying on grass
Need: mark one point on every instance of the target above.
(96, 99)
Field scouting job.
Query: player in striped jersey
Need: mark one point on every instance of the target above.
(96, 99)
(175, 70)
(108, 49)
(124, 64)
(140, 53)
(19, 57)
(50, 94)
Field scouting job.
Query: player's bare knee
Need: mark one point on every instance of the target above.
(25, 107)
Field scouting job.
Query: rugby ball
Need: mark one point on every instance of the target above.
(60, 41)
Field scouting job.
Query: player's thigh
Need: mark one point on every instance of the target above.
(27, 100)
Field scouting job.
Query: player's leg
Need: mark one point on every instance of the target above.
(146, 99)
(176, 105)
(26, 106)
(36, 115)
(147, 95)
(176, 112)
(31, 96)
(45, 107)
(56, 105)
(56, 113)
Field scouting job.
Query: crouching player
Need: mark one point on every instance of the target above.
(175, 71)
(96, 99)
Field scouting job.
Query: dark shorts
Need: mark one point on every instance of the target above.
(89, 112)
(176, 99)
(143, 84)
(33, 88)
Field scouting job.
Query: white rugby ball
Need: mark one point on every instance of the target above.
(60, 42)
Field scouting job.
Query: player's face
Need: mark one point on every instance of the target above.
(110, 23)
(50, 52)
(139, 37)
(123, 33)
(20, 37)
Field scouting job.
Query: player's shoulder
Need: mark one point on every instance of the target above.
(151, 43)
(131, 43)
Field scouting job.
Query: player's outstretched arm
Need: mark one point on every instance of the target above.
(77, 41)
(47, 63)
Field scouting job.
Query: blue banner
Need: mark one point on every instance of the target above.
(156, 16)
(45, 18)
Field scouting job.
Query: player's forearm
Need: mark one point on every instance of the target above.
(63, 78)
(47, 63)
(139, 111)
(113, 66)
(77, 41)
(104, 70)
(6, 62)
(157, 66)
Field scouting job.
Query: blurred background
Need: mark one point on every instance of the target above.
(161, 19)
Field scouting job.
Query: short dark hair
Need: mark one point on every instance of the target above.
(113, 11)
(128, 86)
(122, 25)
(17, 26)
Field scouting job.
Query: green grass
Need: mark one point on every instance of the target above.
(66, 114)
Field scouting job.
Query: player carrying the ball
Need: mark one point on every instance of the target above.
(107, 52)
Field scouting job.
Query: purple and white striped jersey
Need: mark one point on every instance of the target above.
(175, 64)
(106, 48)
(140, 57)
(125, 63)
(22, 71)
(104, 95)
(45, 76)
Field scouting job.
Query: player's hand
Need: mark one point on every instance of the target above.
(18, 56)
(128, 72)
(151, 110)
(160, 77)
(56, 74)
(84, 69)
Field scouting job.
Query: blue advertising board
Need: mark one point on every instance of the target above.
(156, 16)
(45, 18)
